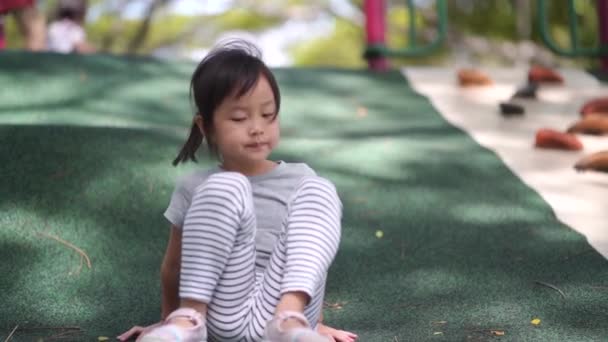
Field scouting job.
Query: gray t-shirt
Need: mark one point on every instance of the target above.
(271, 192)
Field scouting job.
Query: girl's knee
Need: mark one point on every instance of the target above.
(321, 190)
(227, 176)
(225, 189)
(317, 208)
(229, 182)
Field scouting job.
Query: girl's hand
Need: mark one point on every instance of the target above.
(136, 331)
(336, 335)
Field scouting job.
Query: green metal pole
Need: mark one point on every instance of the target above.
(572, 25)
(411, 11)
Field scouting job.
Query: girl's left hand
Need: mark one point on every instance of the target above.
(336, 335)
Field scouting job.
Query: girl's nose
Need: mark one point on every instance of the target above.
(256, 129)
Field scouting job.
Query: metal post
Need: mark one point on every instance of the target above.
(2, 36)
(375, 28)
(602, 14)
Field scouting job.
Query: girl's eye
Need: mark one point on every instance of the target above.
(237, 119)
(268, 115)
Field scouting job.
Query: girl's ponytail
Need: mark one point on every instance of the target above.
(188, 151)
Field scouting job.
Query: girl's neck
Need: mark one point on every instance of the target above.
(250, 170)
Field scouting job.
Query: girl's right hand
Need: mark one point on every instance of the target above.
(136, 331)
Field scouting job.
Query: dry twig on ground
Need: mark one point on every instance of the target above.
(551, 287)
(62, 241)
(12, 332)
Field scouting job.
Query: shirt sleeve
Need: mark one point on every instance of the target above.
(179, 204)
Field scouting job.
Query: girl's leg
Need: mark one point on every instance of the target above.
(218, 255)
(303, 253)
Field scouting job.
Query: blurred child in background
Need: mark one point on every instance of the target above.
(66, 34)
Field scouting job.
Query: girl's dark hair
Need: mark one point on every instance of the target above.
(71, 9)
(231, 69)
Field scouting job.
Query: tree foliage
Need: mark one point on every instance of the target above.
(496, 20)
(343, 48)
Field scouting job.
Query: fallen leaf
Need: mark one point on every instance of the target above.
(337, 305)
(379, 234)
(102, 338)
(498, 333)
(535, 321)
(361, 112)
(438, 333)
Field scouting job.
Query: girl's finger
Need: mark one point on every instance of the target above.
(350, 337)
(127, 335)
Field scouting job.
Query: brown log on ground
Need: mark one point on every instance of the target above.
(597, 162)
(552, 139)
(539, 74)
(593, 124)
(595, 106)
(473, 77)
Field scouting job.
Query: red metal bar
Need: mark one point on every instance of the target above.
(375, 28)
(2, 37)
(602, 14)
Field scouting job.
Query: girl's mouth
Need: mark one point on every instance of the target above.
(255, 146)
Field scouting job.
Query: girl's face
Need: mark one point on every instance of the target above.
(246, 129)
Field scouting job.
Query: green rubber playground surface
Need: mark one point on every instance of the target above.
(467, 253)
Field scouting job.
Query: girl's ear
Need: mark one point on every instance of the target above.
(198, 120)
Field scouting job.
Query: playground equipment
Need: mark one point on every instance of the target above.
(377, 52)
(575, 49)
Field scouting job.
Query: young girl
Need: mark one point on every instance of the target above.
(251, 239)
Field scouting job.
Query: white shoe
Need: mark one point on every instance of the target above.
(170, 332)
(274, 331)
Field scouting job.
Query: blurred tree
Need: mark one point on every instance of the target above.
(342, 48)
(144, 27)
